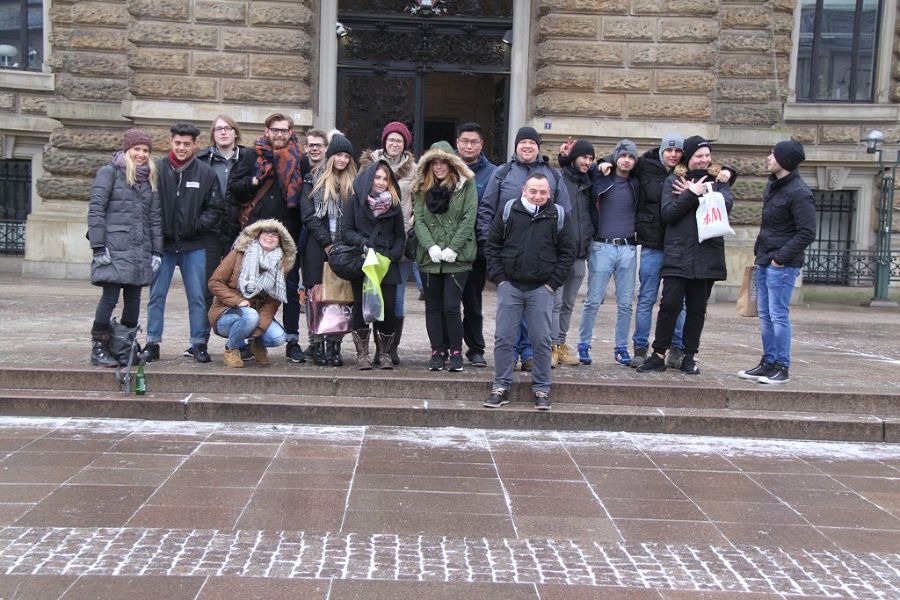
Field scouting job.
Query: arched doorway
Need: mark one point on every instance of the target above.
(432, 65)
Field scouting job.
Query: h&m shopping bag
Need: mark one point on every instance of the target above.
(712, 215)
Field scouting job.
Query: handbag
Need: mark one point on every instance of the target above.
(712, 215)
(335, 290)
(328, 319)
(746, 302)
(412, 244)
(346, 260)
(247, 209)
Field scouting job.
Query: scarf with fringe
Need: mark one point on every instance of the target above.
(284, 164)
(261, 272)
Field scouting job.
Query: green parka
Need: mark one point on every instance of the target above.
(454, 229)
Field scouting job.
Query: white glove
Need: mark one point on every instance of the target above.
(448, 255)
(102, 257)
(435, 253)
(155, 261)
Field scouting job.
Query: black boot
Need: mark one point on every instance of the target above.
(100, 355)
(689, 365)
(333, 352)
(398, 333)
(320, 358)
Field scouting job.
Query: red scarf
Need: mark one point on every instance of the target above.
(177, 163)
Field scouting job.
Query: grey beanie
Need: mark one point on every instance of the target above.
(670, 140)
(624, 147)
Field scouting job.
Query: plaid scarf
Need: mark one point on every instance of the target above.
(283, 164)
(261, 272)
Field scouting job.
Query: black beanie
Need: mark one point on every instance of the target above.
(789, 154)
(581, 148)
(527, 133)
(692, 144)
(338, 143)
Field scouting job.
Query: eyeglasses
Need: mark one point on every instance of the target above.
(270, 233)
(223, 128)
(279, 131)
(394, 141)
(467, 143)
(315, 145)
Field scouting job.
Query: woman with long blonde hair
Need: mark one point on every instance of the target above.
(125, 233)
(325, 193)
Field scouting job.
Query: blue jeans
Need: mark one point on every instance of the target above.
(193, 273)
(774, 286)
(523, 348)
(608, 261)
(648, 294)
(238, 323)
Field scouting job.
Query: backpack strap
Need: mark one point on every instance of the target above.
(560, 215)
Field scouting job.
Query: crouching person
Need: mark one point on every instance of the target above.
(248, 287)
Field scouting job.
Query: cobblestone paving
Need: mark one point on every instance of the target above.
(179, 552)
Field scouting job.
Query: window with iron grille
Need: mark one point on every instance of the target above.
(22, 34)
(15, 204)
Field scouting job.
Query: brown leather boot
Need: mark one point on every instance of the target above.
(385, 343)
(361, 341)
(233, 358)
(260, 354)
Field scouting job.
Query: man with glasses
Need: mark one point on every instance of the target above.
(314, 148)
(191, 210)
(266, 185)
(469, 147)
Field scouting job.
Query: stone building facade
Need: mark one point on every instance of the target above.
(598, 69)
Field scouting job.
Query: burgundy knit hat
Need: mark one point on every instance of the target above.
(398, 128)
(133, 137)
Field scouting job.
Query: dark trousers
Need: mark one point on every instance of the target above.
(389, 292)
(216, 248)
(678, 292)
(290, 310)
(473, 319)
(131, 309)
(443, 320)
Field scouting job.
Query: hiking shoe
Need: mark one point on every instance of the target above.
(779, 374)
(260, 353)
(640, 355)
(456, 361)
(622, 357)
(654, 363)
(584, 355)
(151, 351)
(476, 359)
(527, 364)
(294, 353)
(689, 365)
(437, 361)
(200, 354)
(567, 356)
(542, 400)
(499, 397)
(674, 358)
(761, 370)
(232, 358)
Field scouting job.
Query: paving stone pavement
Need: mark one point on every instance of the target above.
(144, 509)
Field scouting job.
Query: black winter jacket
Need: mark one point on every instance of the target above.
(579, 187)
(649, 227)
(312, 254)
(788, 221)
(529, 251)
(192, 204)
(359, 223)
(229, 227)
(684, 255)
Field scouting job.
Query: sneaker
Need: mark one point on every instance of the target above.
(456, 361)
(476, 359)
(761, 370)
(527, 364)
(189, 353)
(584, 356)
(689, 365)
(622, 357)
(437, 361)
(294, 353)
(674, 358)
(200, 354)
(640, 355)
(542, 400)
(654, 363)
(567, 357)
(778, 375)
(246, 353)
(499, 397)
(151, 351)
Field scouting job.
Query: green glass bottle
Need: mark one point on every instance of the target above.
(140, 381)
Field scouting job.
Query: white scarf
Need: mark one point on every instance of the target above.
(261, 272)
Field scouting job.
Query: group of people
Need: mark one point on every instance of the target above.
(251, 228)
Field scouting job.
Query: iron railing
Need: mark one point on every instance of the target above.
(845, 267)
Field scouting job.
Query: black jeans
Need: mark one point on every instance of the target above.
(473, 319)
(678, 292)
(443, 320)
(131, 310)
(216, 248)
(389, 292)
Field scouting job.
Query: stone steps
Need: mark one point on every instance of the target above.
(410, 399)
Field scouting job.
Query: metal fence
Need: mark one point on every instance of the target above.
(845, 267)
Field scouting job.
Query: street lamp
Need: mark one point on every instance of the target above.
(885, 218)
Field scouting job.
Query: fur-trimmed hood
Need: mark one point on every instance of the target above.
(444, 151)
(406, 168)
(252, 231)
